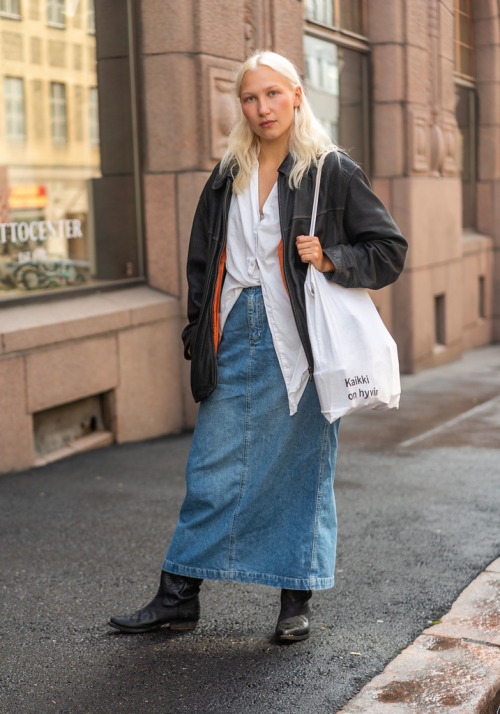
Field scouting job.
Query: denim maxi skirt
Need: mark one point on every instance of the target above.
(259, 506)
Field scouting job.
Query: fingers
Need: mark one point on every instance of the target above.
(309, 249)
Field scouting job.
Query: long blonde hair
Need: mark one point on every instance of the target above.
(308, 139)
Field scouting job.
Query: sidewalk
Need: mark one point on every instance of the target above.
(454, 666)
(418, 497)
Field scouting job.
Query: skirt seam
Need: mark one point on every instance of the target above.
(246, 441)
(314, 550)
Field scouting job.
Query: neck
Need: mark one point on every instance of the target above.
(273, 152)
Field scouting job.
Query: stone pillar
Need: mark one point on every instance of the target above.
(487, 42)
(415, 168)
(113, 195)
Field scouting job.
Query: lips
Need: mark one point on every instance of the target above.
(266, 124)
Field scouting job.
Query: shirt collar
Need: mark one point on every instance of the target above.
(285, 169)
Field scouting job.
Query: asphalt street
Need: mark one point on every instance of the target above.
(418, 495)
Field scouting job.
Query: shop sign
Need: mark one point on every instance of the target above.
(23, 231)
(28, 196)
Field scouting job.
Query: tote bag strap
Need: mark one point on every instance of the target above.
(316, 194)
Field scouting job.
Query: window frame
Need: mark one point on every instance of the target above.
(459, 43)
(55, 14)
(342, 33)
(108, 285)
(9, 80)
(348, 40)
(57, 118)
(11, 14)
(93, 104)
(91, 17)
(467, 82)
(470, 185)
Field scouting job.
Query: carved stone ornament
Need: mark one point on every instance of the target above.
(258, 25)
(437, 149)
(450, 132)
(223, 109)
(249, 27)
(419, 143)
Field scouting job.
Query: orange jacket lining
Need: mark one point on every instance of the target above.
(218, 290)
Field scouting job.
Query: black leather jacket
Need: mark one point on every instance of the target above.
(355, 229)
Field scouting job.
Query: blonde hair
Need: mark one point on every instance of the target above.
(308, 138)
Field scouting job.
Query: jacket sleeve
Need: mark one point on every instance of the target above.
(196, 269)
(374, 253)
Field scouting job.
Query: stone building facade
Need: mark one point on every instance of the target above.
(411, 88)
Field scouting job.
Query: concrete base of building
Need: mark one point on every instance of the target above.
(80, 372)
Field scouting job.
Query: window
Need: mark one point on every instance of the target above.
(467, 126)
(439, 320)
(321, 10)
(93, 117)
(91, 18)
(344, 14)
(10, 8)
(336, 76)
(466, 108)
(482, 297)
(464, 38)
(58, 115)
(55, 13)
(69, 220)
(14, 109)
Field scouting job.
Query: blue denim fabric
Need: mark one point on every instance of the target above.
(259, 506)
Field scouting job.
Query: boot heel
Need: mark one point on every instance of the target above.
(188, 625)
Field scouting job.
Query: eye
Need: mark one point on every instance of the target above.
(273, 92)
(248, 99)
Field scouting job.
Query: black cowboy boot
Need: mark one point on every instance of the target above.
(293, 621)
(176, 604)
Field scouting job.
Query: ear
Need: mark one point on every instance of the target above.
(298, 97)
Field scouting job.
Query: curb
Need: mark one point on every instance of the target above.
(453, 667)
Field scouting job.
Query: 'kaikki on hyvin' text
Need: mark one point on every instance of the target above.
(361, 393)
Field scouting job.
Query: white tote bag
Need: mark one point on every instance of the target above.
(355, 358)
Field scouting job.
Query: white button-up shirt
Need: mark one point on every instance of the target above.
(251, 260)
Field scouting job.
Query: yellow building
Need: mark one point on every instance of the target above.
(49, 142)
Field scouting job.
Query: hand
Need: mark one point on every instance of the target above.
(311, 251)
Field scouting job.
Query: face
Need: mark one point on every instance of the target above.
(268, 103)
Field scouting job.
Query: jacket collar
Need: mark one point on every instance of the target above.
(286, 165)
(284, 168)
(221, 179)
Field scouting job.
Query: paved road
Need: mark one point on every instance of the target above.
(418, 498)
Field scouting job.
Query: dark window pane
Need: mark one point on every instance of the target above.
(440, 319)
(336, 87)
(351, 102)
(466, 61)
(351, 16)
(464, 38)
(466, 120)
(465, 30)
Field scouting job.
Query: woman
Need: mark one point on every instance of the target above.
(260, 505)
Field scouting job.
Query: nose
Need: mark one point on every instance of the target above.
(263, 108)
